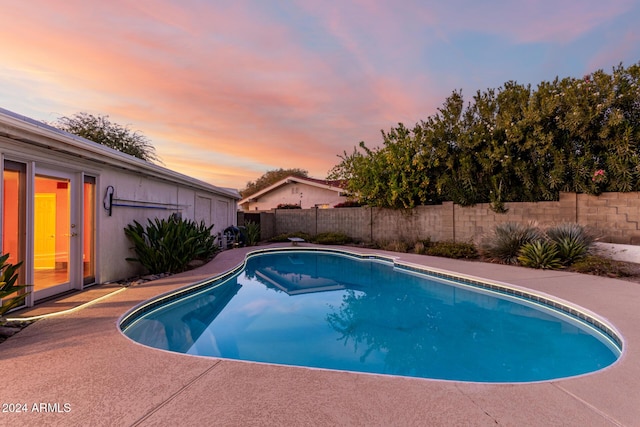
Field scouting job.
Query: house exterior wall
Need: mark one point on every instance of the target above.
(140, 191)
(308, 196)
(169, 197)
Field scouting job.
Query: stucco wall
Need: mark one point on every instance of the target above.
(296, 193)
(114, 247)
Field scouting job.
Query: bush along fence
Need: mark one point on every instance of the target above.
(611, 217)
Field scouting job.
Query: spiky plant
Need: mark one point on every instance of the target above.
(572, 231)
(505, 243)
(168, 245)
(572, 240)
(570, 250)
(540, 254)
(8, 287)
(252, 230)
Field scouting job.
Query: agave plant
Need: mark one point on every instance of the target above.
(540, 254)
(8, 287)
(572, 231)
(505, 244)
(572, 241)
(571, 250)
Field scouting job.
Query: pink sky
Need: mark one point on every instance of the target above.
(226, 90)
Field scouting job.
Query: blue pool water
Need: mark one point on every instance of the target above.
(334, 311)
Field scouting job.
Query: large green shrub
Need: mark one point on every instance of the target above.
(8, 287)
(508, 144)
(168, 246)
(507, 240)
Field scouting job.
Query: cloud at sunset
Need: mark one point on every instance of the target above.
(226, 90)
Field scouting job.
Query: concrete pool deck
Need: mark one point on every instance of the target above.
(77, 369)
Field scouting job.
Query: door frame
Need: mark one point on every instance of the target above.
(74, 257)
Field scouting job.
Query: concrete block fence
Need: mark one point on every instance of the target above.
(614, 217)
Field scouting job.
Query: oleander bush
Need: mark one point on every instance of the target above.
(169, 245)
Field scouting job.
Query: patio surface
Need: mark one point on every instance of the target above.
(86, 373)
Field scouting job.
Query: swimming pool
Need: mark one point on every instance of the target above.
(336, 310)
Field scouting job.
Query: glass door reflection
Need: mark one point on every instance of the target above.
(52, 222)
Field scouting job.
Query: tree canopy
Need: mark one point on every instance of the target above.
(269, 178)
(101, 130)
(513, 143)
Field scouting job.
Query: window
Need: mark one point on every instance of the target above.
(88, 231)
(14, 214)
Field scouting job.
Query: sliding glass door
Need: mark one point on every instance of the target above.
(48, 223)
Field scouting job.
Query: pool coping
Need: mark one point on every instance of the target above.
(83, 360)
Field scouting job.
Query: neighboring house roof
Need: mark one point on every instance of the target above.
(26, 130)
(332, 185)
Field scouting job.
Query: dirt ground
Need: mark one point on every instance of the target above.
(634, 270)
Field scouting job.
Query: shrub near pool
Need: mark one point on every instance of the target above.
(167, 246)
(332, 239)
(455, 250)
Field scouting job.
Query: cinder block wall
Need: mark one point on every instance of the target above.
(474, 222)
(354, 222)
(267, 225)
(423, 222)
(294, 220)
(614, 217)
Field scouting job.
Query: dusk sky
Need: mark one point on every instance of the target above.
(226, 90)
